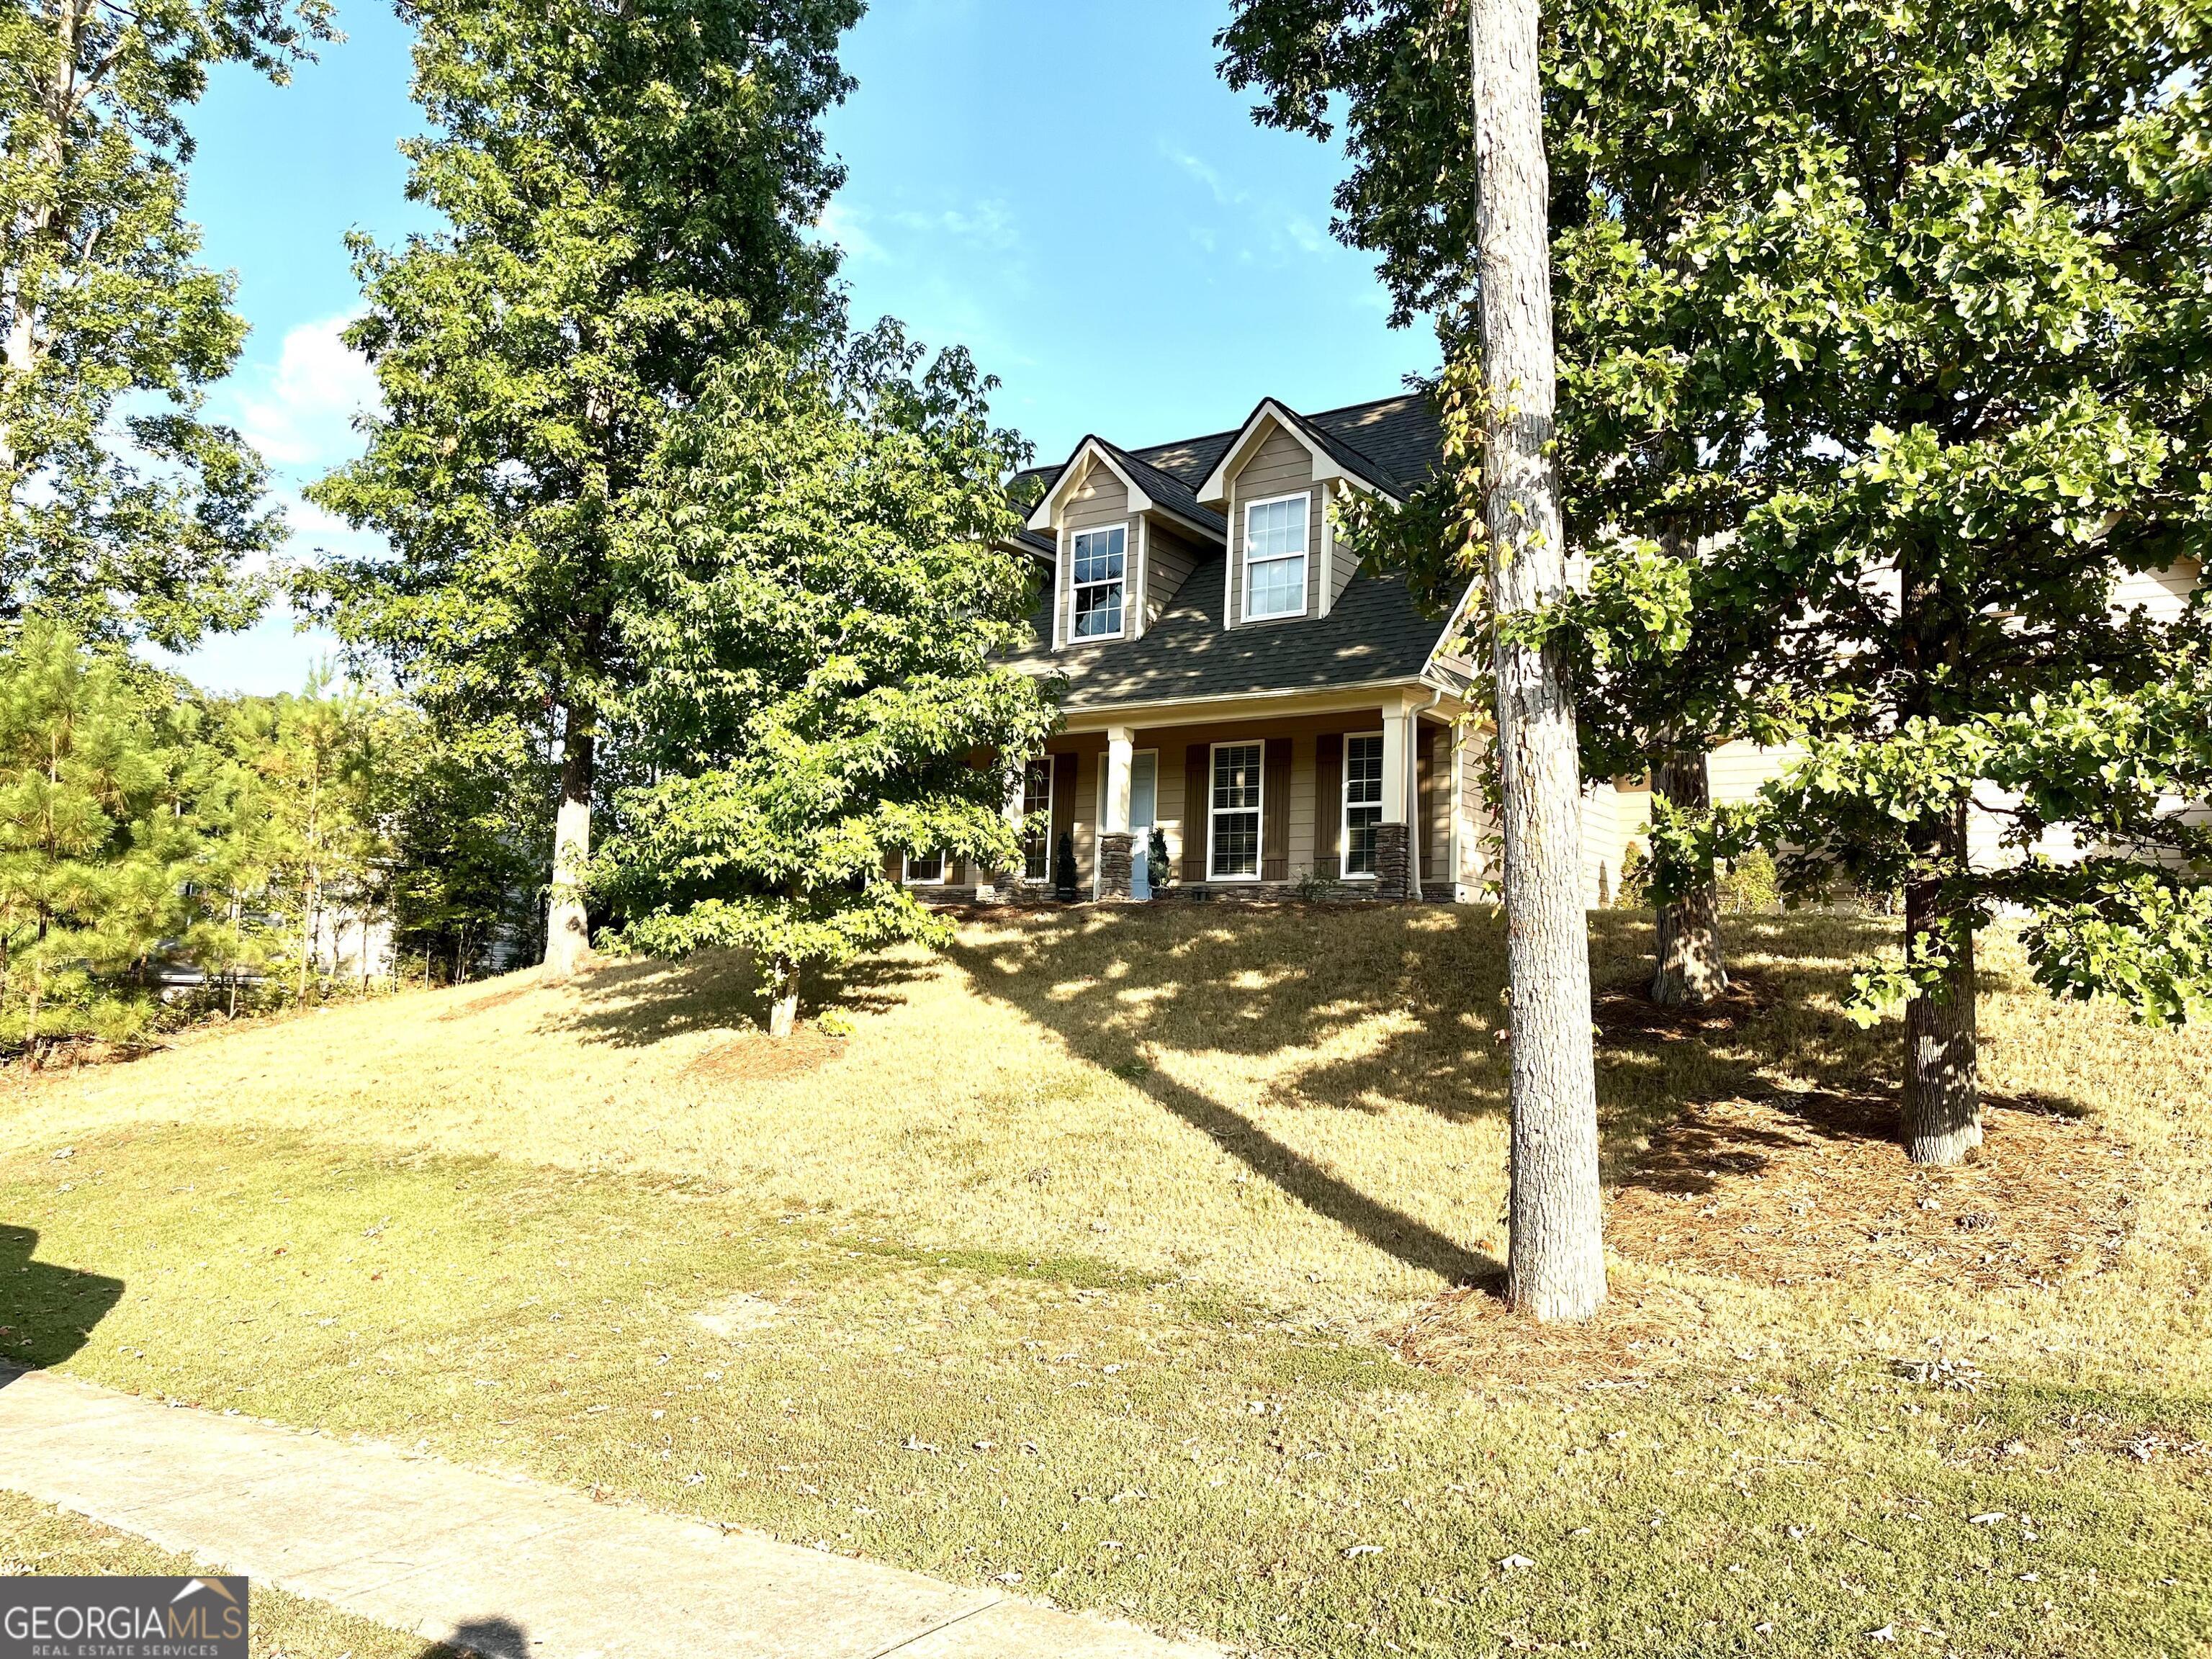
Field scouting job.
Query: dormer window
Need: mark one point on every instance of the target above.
(1275, 557)
(1099, 556)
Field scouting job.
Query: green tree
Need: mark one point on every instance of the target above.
(1654, 466)
(1498, 511)
(121, 510)
(1958, 255)
(627, 190)
(96, 844)
(816, 599)
(1913, 298)
(464, 843)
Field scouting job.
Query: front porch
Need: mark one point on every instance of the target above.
(1371, 800)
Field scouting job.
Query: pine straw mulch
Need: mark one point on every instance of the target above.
(1798, 1190)
(756, 1057)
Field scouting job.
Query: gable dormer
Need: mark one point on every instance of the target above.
(1274, 485)
(1125, 537)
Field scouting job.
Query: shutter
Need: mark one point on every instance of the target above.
(1328, 805)
(1196, 795)
(1275, 812)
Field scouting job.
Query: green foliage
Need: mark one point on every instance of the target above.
(1750, 884)
(627, 192)
(152, 840)
(816, 601)
(121, 512)
(94, 845)
(1898, 312)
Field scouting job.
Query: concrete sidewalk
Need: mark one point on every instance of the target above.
(508, 1568)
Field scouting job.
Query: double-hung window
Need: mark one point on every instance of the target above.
(925, 869)
(1036, 817)
(1275, 558)
(1233, 841)
(1099, 556)
(1362, 801)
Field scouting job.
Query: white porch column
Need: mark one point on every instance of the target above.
(1121, 752)
(1395, 877)
(1394, 750)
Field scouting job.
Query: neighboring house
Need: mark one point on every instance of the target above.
(1232, 677)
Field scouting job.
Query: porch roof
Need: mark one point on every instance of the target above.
(1375, 633)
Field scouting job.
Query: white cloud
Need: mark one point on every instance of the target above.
(989, 225)
(845, 226)
(300, 412)
(1206, 175)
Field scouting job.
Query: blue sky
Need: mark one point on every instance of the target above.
(1064, 186)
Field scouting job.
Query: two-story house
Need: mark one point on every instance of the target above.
(1232, 677)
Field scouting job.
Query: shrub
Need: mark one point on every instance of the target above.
(1751, 883)
(1635, 892)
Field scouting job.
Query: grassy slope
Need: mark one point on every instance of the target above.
(1070, 1250)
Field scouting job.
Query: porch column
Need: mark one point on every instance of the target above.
(1392, 843)
(1113, 840)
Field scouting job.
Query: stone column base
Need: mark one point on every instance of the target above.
(1113, 864)
(1394, 863)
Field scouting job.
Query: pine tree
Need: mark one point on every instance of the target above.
(96, 849)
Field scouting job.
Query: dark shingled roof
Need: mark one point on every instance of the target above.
(1374, 632)
(1394, 441)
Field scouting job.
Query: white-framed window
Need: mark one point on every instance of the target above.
(1363, 802)
(1275, 557)
(1099, 559)
(1232, 840)
(925, 869)
(1036, 815)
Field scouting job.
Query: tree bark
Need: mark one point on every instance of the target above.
(783, 997)
(1692, 969)
(59, 97)
(567, 930)
(1556, 1264)
(1942, 1115)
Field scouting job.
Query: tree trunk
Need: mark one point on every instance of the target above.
(568, 935)
(1692, 969)
(783, 996)
(1941, 1119)
(1557, 1257)
(59, 99)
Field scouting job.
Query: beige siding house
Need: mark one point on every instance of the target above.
(1232, 678)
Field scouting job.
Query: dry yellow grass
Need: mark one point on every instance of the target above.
(1082, 1194)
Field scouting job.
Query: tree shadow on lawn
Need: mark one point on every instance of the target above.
(634, 1004)
(1124, 987)
(47, 1312)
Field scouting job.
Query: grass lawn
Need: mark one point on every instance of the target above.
(1115, 1253)
(37, 1540)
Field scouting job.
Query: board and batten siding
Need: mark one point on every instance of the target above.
(1280, 466)
(1099, 503)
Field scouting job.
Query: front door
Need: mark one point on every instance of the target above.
(1144, 807)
